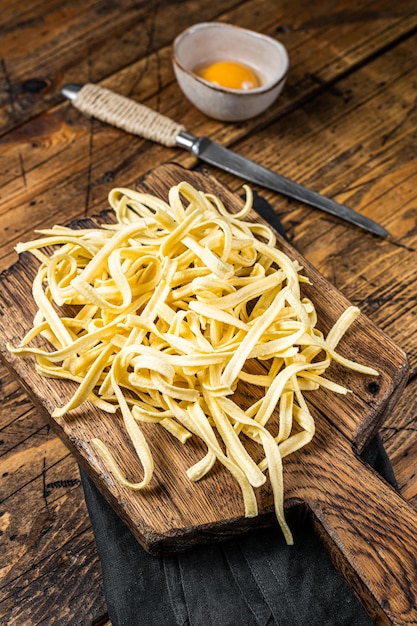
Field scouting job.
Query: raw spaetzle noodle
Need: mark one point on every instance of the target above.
(177, 304)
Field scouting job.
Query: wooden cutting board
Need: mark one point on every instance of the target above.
(369, 529)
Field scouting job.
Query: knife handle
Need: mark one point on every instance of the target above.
(127, 114)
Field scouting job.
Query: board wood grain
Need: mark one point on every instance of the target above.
(345, 496)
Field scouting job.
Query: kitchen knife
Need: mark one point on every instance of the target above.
(139, 119)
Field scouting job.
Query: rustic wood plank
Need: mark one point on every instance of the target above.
(31, 530)
(14, 402)
(399, 436)
(46, 536)
(64, 590)
(28, 425)
(23, 461)
(44, 524)
(326, 41)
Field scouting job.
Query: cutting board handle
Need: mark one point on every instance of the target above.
(371, 535)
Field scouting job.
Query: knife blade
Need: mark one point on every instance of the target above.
(138, 119)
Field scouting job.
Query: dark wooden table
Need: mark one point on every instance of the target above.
(345, 125)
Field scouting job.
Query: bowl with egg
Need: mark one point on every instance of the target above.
(228, 72)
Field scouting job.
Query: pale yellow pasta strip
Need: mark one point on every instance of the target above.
(236, 363)
(233, 443)
(220, 315)
(200, 421)
(246, 293)
(139, 441)
(273, 462)
(273, 393)
(347, 363)
(48, 311)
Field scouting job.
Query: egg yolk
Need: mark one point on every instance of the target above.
(230, 75)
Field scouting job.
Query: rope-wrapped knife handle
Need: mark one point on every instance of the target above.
(126, 114)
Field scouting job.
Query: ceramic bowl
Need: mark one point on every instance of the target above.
(209, 42)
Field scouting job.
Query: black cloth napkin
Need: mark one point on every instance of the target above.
(250, 580)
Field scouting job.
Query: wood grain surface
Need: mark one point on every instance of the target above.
(173, 513)
(345, 125)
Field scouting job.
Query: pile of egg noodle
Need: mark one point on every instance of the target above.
(176, 305)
